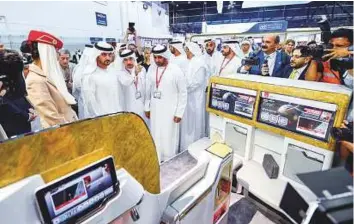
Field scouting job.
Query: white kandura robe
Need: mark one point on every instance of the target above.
(164, 130)
(102, 93)
(131, 103)
(182, 62)
(212, 62)
(193, 122)
(230, 69)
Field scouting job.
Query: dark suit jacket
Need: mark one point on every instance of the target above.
(288, 70)
(281, 61)
(14, 116)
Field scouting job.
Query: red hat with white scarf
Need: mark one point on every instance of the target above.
(45, 38)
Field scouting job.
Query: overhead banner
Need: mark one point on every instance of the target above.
(232, 100)
(271, 26)
(310, 119)
(254, 27)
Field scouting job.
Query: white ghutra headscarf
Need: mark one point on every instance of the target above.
(51, 69)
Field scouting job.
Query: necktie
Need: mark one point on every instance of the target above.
(293, 74)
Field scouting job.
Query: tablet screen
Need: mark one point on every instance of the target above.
(78, 194)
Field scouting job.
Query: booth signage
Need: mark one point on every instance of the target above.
(271, 26)
(295, 117)
(110, 40)
(232, 101)
(101, 19)
(95, 39)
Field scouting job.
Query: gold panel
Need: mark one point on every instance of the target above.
(341, 100)
(57, 152)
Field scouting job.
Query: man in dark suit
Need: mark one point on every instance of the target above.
(276, 61)
(299, 64)
(16, 113)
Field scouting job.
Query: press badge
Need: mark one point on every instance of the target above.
(157, 94)
(137, 95)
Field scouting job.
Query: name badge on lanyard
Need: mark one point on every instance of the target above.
(137, 95)
(157, 93)
(223, 67)
(137, 92)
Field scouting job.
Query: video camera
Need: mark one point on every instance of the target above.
(11, 67)
(131, 27)
(250, 61)
(318, 51)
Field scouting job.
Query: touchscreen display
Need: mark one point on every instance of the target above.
(78, 194)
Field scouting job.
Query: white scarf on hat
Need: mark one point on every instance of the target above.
(179, 47)
(51, 69)
(85, 59)
(235, 47)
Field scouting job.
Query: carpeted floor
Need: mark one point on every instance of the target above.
(243, 211)
(173, 169)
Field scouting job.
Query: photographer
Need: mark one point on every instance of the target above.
(133, 42)
(16, 113)
(338, 62)
(269, 61)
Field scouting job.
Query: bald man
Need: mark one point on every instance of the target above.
(269, 55)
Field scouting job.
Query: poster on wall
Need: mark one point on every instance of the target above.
(308, 117)
(233, 100)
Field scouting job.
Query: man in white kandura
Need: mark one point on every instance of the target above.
(212, 56)
(178, 56)
(85, 59)
(132, 78)
(101, 90)
(193, 123)
(231, 61)
(166, 102)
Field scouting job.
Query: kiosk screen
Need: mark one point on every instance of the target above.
(307, 117)
(233, 100)
(78, 194)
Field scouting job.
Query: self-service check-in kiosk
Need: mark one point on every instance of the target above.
(290, 120)
(106, 170)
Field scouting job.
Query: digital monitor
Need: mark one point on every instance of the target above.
(78, 194)
(307, 117)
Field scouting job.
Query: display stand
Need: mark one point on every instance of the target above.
(288, 119)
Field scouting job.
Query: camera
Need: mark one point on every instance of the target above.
(318, 51)
(250, 61)
(343, 134)
(11, 67)
(131, 27)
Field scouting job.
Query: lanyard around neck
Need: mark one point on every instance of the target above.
(222, 67)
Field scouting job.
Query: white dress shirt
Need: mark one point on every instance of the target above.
(271, 61)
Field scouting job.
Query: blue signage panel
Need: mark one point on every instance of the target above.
(95, 39)
(101, 19)
(110, 39)
(270, 26)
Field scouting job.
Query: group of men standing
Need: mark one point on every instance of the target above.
(170, 97)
